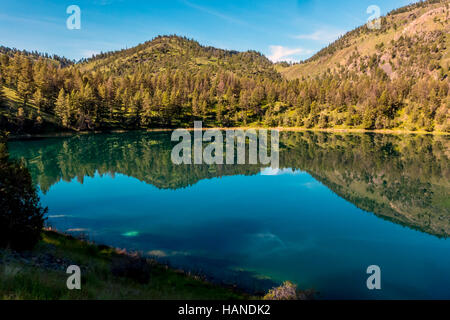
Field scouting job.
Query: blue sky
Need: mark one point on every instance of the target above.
(282, 30)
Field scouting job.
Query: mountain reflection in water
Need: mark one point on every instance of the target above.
(293, 223)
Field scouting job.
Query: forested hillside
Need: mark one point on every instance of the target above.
(393, 78)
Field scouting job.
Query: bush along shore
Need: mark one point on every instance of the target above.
(108, 273)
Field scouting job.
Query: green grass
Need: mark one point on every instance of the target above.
(14, 102)
(26, 278)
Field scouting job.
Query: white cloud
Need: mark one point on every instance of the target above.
(157, 253)
(322, 35)
(280, 53)
(277, 172)
(89, 53)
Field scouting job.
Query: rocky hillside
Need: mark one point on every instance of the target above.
(413, 41)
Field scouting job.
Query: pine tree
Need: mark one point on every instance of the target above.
(61, 108)
(38, 99)
(21, 217)
(25, 80)
(2, 97)
(146, 115)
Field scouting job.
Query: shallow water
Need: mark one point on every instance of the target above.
(338, 204)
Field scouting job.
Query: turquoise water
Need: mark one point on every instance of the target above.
(338, 204)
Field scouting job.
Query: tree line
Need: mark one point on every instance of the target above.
(179, 86)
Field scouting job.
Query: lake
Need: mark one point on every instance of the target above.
(338, 204)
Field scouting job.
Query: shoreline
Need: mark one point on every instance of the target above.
(102, 267)
(109, 273)
(330, 130)
(30, 136)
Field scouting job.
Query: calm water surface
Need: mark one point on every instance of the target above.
(338, 204)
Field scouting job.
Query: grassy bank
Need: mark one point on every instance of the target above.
(41, 274)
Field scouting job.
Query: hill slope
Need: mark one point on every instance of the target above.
(15, 116)
(166, 53)
(412, 41)
(393, 78)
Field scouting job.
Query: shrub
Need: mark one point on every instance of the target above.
(135, 268)
(21, 216)
(289, 291)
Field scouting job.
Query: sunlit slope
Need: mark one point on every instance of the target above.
(177, 53)
(412, 41)
(16, 116)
